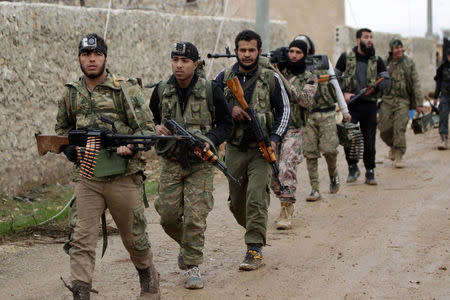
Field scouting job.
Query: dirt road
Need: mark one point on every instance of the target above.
(367, 242)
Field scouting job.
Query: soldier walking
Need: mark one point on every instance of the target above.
(320, 135)
(361, 68)
(99, 93)
(442, 92)
(303, 85)
(402, 95)
(265, 92)
(186, 181)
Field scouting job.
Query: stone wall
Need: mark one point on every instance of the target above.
(421, 50)
(38, 54)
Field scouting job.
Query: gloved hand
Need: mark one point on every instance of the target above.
(70, 151)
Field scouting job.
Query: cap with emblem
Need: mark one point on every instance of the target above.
(185, 49)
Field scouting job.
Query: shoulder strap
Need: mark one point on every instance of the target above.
(121, 82)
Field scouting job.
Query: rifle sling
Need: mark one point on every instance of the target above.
(130, 104)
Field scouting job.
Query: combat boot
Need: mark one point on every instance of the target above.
(353, 173)
(370, 177)
(444, 143)
(286, 213)
(334, 183)
(149, 281)
(391, 154)
(398, 162)
(81, 290)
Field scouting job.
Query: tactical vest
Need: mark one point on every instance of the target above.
(325, 96)
(299, 114)
(399, 87)
(349, 76)
(197, 116)
(260, 101)
(445, 85)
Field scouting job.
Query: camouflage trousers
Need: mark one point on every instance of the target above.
(320, 136)
(393, 119)
(289, 156)
(250, 201)
(123, 197)
(185, 199)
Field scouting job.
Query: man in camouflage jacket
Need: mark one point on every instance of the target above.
(186, 182)
(99, 93)
(303, 85)
(402, 95)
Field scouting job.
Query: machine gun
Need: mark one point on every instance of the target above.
(261, 137)
(197, 146)
(108, 140)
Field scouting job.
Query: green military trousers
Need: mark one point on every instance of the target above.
(320, 136)
(185, 199)
(250, 201)
(394, 117)
(123, 197)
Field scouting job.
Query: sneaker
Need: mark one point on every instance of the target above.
(444, 144)
(313, 196)
(353, 173)
(194, 279)
(334, 184)
(370, 177)
(253, 260)
(286, 213)
(181, 263)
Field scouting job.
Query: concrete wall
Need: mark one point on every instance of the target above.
(421, 50)
(318, 19)
(38, 54)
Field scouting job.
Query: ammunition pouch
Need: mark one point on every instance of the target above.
(351, 137)
(109, 163)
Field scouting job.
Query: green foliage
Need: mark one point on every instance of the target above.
(16, 215)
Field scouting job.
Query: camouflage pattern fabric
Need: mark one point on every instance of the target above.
(78, 108)
(349, 75)
(320, 136)
(185, 199)
(403, 94)
(290, 155)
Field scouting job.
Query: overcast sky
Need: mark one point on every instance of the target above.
(406, 17)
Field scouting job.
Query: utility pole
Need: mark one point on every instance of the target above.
(430, 19)
(262, 23)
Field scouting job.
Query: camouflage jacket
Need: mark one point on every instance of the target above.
(79, 108)
(303, 87)
(404, 82)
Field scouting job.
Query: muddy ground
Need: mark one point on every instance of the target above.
(390, 241)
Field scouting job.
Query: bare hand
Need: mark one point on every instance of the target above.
(274, 145)
(125, 150)
(239, 114)
(346, 117)
(204, 150)
(347, 96)
(435, 101)
(162, 130)
(419, 109)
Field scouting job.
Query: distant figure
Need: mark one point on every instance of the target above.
(442, 92)
(403, 94)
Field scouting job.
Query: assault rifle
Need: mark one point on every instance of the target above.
(365, 91)
(197, 145)
(261, 137)
(108, 140)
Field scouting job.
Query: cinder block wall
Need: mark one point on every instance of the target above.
(421, 50)
(38, 55)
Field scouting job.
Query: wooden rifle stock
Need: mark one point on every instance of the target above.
(235, 86)
(50, 142)
(366, 91)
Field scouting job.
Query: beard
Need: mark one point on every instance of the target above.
(94, 75)
(369, 51)
(250, 67)
(297, 67)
